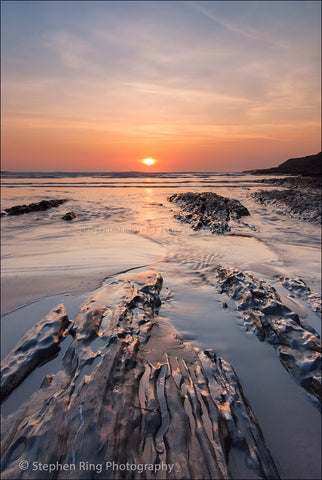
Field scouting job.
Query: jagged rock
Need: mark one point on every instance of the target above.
(297, 343)
(297, 286)
(35, 207)
(296, 182)
(69, 216)
(207, 210)
(297, 203)
(131, 392)
(37, 346)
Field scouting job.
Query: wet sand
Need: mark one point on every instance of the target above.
(47, 259)
(19, 291)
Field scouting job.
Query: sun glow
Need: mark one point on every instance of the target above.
(148, 161)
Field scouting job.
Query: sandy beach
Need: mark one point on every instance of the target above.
(161, 240)
(250, 293)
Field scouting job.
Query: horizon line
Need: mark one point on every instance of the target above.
(121, 171)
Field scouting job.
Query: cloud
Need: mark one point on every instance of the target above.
(74, 52)
(235, 27)
(166, 79)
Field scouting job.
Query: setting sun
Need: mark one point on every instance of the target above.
(148, 161)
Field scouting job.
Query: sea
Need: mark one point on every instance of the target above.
(125, 224)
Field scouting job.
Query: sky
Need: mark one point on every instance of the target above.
(195, 85)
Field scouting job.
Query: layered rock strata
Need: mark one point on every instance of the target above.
(297, 203)
(297, 182)
(297, 343)
(298, 288)
(38, 345)
(131, 392)
(207, 210)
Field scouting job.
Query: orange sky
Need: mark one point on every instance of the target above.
(210, 86)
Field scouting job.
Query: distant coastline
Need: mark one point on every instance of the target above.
(307, 166)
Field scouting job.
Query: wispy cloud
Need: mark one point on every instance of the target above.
(231, 26)
(174, 72)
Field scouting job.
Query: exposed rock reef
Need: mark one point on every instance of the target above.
(69, 216)
(131, 392)
(38, 345)
(207, 210)
(301, 200)
(297, 287)
(302, 183)
(34, 207)
(309, 165)
(297, 343)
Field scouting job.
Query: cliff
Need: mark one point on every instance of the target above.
(309, 165)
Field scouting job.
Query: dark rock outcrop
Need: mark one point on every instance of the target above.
(309, 165)
(207, 210)
(297, 343)
(297, 182)
(131, 393)
(69, 216)
(298, 288)
(38, 345)
(298, 203)
(35, 207)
